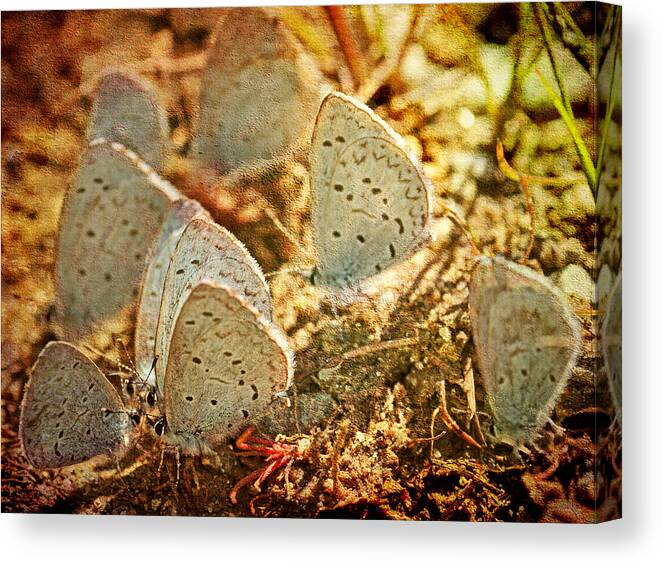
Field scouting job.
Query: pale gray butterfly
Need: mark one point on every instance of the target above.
(207, 251)
(611, 344)
(225, 365)
(158, 260)
(259, 93)
(371, 203)
(70, 411)
(125, 110)
(527, 341)
(111, 216)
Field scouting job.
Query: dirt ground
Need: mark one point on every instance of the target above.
(358, 431)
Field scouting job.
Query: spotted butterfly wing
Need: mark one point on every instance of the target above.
(70, 412)
(181, 213)
(527, 341)
(206, 250)
(111, 216)
(371, 203)
(226, 364)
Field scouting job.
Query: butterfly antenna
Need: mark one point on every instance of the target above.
(121, 344)
(524, 183)
(445, 211)
(153, 366)
(139, 379)
(305, 271)
(144, 380)
(285, 231)
(118, 363)
(335, 363)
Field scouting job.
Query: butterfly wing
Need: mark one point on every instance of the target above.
(259, 93)
(371, 203)
(527, 341)
(111, 216)
(225, 365)
(205, 250)
(125, 110)
(70, 412)
(182, 212)
(611, 343)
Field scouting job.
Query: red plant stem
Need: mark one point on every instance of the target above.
(352, 52)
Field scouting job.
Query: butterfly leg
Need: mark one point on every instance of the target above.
(192, 463)
(137, 444)
(442, 411)
(177, 457)
(177, 460)
(557, 428)
(160, 465)
(478, 429)
(473, 418)
(333, 308)
(118, 468)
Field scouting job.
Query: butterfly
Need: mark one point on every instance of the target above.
(527, 342)
(113, 210)
(151, 293)
(221, 358)
(371, 204)
(259, 93)
(125, 110)
(70, 411)
(112, 214)
(224, 363)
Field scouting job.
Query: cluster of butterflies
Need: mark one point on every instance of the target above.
(203, 305)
